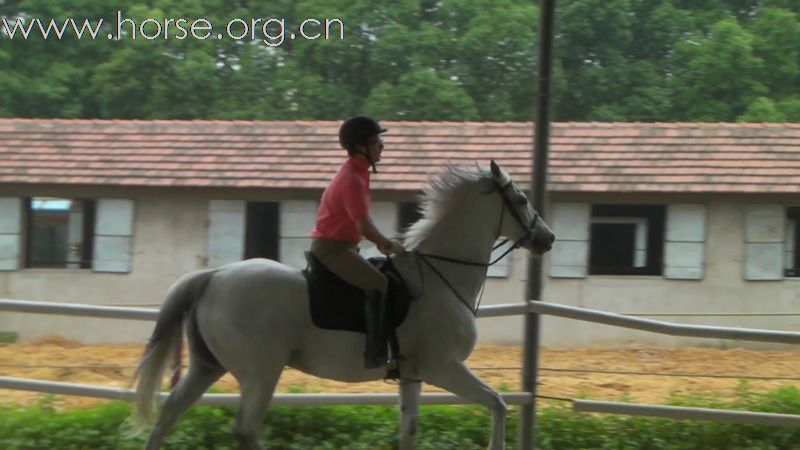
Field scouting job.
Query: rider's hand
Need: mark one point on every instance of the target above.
(391, 247)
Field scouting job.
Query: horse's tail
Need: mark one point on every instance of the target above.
(163, 344)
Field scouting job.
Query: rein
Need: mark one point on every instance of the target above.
(527, 236)
(470, 263)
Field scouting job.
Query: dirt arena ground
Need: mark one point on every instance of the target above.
(497, 365)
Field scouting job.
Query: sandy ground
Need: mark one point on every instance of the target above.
(497, 365)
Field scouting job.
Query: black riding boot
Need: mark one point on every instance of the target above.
(375, 352)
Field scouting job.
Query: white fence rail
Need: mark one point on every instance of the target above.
(678, 412)
(656, 326)
(78, 309)
(552, 309)
(85, 390)
(518, 398)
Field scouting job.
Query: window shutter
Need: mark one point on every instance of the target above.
(226, 231)
(10, 232)
(297, 219)
(570, 252)
(764, 228)
(789, 244)
(685, 242)
(113, 236)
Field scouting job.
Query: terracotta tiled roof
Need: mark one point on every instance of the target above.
(584, 157)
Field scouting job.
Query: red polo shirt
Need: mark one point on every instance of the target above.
(344, 202)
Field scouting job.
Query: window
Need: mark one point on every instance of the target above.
(238, 230)
(626, 239)
(261, 238)
(70, 233)
(59, 232)
(791, 243)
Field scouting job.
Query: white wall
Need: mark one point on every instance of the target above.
(166, 249)
(723, 289)
(163, 250)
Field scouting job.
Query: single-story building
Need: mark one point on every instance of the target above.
(664, 218)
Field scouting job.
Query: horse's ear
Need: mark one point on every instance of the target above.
(495, 169)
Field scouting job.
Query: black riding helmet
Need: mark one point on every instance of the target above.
(357, 130)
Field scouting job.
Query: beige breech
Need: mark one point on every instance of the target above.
(342, 258)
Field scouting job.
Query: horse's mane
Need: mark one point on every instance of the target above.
(444, 193)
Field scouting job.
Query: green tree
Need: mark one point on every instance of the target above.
(655, 28)
(655, 60)
(421, 95)
(247, 88)
(717, 76)
(186, 89)
(403, 48)
(124, 82)
(9, 84)
(776, 33)
(343, 62)
(790, 107)
(496, 61)
(708, 12)
(52, 75)
(298, 95)
(593, 35)
(762, 110)
(647, 97)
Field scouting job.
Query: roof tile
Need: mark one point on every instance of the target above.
(584, 156)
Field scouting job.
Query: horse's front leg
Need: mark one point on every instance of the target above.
(455, 377)
(409, 408)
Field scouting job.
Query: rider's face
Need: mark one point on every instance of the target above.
(375, 147)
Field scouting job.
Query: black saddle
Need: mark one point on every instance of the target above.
(338, 305)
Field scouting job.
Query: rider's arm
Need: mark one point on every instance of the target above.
(358, 210)
(384, 244)
(371, 232)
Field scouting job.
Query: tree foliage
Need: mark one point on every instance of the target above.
(615, 60)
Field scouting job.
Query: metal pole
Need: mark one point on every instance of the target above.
(527, 420)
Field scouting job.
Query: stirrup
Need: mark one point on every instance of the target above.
(392, 374)
(375, 361)
(393, 371)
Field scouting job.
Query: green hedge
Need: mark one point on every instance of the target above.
(375, 428)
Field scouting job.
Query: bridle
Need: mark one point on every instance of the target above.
(515, 214)
(526, 237)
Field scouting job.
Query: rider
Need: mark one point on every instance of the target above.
(343, 220)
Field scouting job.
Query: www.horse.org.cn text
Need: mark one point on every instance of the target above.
(272, 32)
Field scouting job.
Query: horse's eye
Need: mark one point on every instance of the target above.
(522, 201)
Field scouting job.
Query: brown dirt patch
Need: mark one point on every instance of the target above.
(112, 365)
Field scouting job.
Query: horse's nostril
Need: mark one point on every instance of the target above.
(552, 238)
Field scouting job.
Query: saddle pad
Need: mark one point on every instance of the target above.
(338, 305)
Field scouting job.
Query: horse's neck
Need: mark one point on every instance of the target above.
(464, 237)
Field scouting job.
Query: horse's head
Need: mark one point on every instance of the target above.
(519, 221)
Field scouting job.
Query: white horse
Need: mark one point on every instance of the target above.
(251, 318)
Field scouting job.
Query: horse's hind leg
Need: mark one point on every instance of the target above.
(199, 377)
(256, 393)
